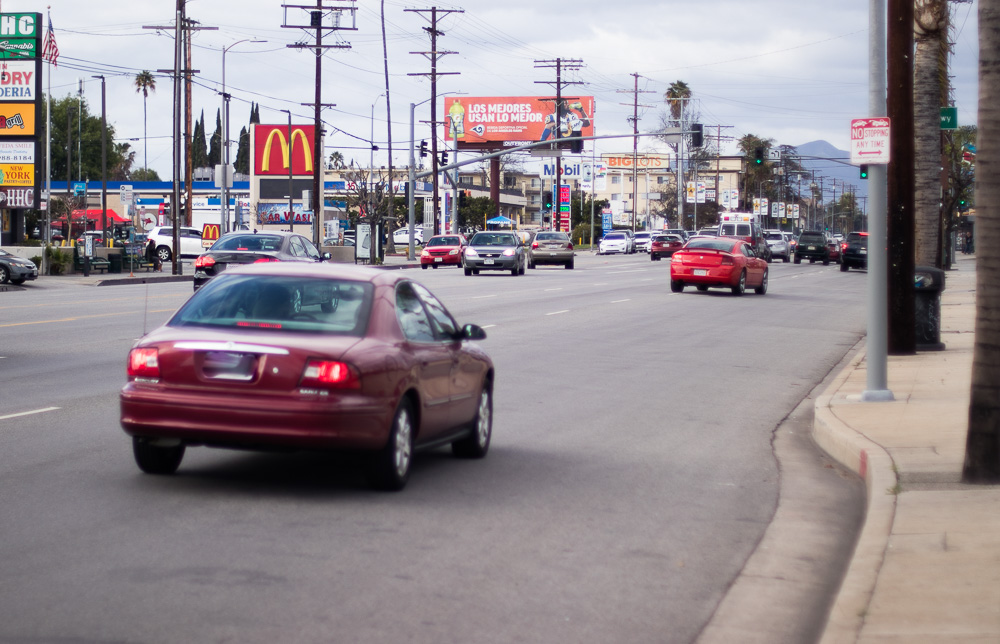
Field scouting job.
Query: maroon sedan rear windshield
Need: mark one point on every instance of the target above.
(249, 242)
(279, 303)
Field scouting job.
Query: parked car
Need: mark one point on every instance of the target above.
(777, 241)
(233, 249)
(495, 251)
(401, 236)
(443, 250)
(631, 240)
(724, 261)
(643, 239)
(812, 245)
(551, 247)
(283, 356)
(16, 270)
(664, 245)
(190, 241)
(615, 241)
(750, 232)
(855, 252)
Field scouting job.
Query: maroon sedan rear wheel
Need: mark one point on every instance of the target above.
(390, 468)
(156, 459)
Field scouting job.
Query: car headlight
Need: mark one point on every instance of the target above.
(509, 252)
(471, 252)
(453, 251)
(424, 253)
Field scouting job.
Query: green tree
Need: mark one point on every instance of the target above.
(145, 83)
(145, 174)
(215, 145)
(982, 449)
(242, 164)
(119, 155)
(961, 176)
(676, 97)
(199, 149)
(758, 179)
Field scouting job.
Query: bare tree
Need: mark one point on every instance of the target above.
(982, 450)
(368, 196)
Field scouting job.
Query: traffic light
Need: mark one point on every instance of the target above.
(963, 205)
(697, 135)
(548, 203)
(444, 158)
(864, 170)
(463, 199)
(423, 148)
(758, 156)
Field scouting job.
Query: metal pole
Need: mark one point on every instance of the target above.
(224, 211)
(454, 175)
(291, 205)
(175, 206)
(410, 253)
(104, 164)
(877, 388)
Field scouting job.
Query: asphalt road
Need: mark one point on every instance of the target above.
(630, 476)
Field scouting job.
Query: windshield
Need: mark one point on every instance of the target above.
(615, 236)
(667, 238)
(444, 241)
(249, 242)
(812, 238)
(775, 237)
(493, 239)
(711, 244)
(279, 303)
(551, 237)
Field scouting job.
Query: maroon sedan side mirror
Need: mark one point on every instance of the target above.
(473, 332)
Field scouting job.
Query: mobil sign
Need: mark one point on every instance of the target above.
(276, 146)
(569, 170)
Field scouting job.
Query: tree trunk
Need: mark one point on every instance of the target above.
(927, 150)
(982, 450)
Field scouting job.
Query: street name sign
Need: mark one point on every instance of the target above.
(870, 141)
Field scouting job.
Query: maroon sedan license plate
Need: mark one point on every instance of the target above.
(224, 365)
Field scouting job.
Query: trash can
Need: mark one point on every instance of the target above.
(928, 282)
(114, 262)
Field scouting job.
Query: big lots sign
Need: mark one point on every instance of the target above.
(275, 146)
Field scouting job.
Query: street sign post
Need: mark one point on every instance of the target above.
(870, 141)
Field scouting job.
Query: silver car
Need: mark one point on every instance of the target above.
(550, 247)
(778, 242)
(495, 251)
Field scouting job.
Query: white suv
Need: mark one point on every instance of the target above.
(163, 237)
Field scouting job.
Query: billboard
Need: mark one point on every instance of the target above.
(19, 175)
(17, 80)
(17, 119)
(273, 149)
(17, 151)
(642, 161)
(492, 122)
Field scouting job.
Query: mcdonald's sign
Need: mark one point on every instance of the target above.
(273, 149)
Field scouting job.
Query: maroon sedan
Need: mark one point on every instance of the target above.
(309, 356)
(664, 245)
(722, 261)
(443, 250)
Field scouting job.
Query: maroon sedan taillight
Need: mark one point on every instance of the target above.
(330, 373)
(143, 363)
(266, 259)
(205, 261)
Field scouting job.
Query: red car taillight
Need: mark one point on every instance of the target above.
(534, 245)
(204, 261)
(331, 373)
(143, 363)
(570, 245)
(843, 246)
(726, 261)
(266, 259)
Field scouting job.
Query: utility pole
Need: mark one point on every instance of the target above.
(900, 229)
(328, 17)
(560, 64)
(433, 55)
(634, 120)
(718, 148)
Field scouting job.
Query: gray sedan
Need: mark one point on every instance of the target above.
(495, 251)
(16, 269)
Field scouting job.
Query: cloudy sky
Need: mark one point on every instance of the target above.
(791, 70)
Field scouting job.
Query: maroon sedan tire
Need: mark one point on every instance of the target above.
(477, 443)
(390, 467)
(156, 459)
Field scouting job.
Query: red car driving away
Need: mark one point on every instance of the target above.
(664, 245)
(309, 356)
(443, 250)
(722, 261)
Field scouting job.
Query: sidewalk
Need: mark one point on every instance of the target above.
(927, 564)
(142, 276)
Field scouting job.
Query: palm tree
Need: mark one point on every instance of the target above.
(676, 94)
(930, 82)
(982, 449)
(145, 82)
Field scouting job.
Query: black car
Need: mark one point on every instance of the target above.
(16, 269)
(812, 245)
(244, 247)
(855, 253)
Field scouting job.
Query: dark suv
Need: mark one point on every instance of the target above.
(855, 253)
(812, 246)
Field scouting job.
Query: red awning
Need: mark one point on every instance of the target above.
(93, 215)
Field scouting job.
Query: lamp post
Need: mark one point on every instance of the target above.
(375, 233)
(104, 164)
(225, 138)
(291, 205)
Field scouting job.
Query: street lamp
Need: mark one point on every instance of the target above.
(371, 168)
(225, 138)
(291, 205)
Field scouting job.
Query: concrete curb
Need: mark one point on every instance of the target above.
(875, 466)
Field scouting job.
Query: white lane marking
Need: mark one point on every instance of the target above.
(558, 312)
(28, 413)
(488, 326)
(625, 300)
(553, 289)
(601, 284)
(482, 297)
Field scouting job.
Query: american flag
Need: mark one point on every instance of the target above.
(50, 50)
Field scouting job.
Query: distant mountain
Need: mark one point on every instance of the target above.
(827, 161)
